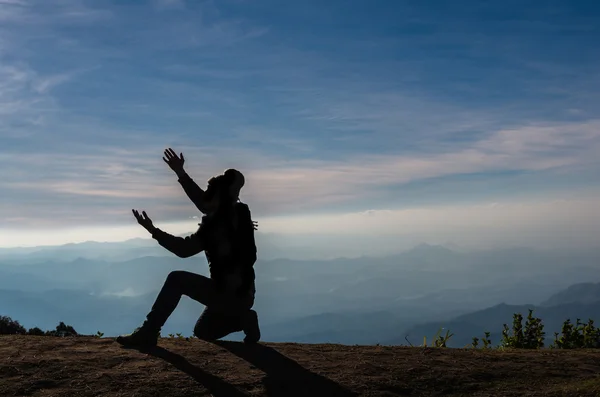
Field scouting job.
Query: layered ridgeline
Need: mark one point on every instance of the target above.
(577, 302)
(109, 287)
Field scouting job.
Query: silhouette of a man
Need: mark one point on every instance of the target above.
(226, 235)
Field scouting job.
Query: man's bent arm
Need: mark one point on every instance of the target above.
(191, 188)
(183, 247)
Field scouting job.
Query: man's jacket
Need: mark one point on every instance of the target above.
(226, 237)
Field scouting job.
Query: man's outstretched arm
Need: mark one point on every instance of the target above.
(183, 247)
(191, 188)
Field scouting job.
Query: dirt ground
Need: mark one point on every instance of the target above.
(88, 366)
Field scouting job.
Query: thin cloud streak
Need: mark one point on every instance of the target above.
(277, 185)
(572, 222)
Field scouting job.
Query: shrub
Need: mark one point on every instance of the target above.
(532, 337)
(8, 326)
(62, 330)
(35, 331)
(578, 335)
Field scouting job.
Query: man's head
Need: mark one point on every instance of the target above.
(223, 189)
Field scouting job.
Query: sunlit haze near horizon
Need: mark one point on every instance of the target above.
(470, 123)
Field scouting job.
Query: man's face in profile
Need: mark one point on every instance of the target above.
(211, 195)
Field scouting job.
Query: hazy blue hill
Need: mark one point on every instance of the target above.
(577, 293)
(89, 313)
(339, 300)
(345, 327)
(122, 250)
(142, 274)
(30, 282)
(492, 319)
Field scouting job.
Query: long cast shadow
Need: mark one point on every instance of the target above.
(285, 377)
(215, 385)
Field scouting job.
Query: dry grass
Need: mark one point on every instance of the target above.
(49, 366)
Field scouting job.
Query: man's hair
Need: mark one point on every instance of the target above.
(235, 181)
(228, 184)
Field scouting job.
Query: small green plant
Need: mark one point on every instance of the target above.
(179, 335)
(99, 334)
(487, 342)
(171, 335)
(441, 341)
(438, 339)
(591, 335)
(516, 339)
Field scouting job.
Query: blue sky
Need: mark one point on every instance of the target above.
(329, 108)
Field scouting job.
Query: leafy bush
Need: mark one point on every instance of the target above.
(8, 326)
(35, 331)
(62, 330)
(572, 336)
(532, 337)
(578, 335)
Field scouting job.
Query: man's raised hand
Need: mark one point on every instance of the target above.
(174, 161)
(144, 220)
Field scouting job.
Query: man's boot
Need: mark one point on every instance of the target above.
(251, 328)
(143, 337)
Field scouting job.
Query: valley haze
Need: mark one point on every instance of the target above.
(108, 287)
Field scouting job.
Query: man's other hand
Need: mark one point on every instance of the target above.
(144, 220)
(174, 161)
(255, 225)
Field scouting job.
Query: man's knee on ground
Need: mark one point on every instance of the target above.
(204, 334)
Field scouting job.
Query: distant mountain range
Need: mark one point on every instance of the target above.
(577, 301)
(577, 293)
(344, 300)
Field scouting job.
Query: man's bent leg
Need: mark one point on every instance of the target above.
(178, 283)
(231, 314)
(216, 324)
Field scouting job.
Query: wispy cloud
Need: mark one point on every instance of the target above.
(277, 186)
(325, 109)
(45, 84)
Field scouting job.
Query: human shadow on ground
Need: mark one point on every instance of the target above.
(215, 385)
(284, 376)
